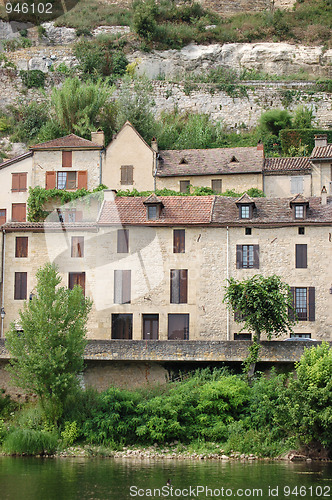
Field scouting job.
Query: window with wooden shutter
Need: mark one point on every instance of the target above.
(179, 286)
(82, 181)
(301, 256)
(312, 306)
(77, 246)
(122, 326)
(247, 256)
(179, 241)
(127, 175)
(297, 185)
(122, 286)
(77, 279)
(20, 287)
(184, 186)
(19, 181)
(50, 180)
(301, 303)
(3, 213)
(18, 212)
(123, 241)
(21, 246)
(291, 307)
(216, 185)
(178, 327)
(67, 159)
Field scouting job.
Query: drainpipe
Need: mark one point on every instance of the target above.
(155, 172)
(100, 165)
(3, 277)
(227, 277)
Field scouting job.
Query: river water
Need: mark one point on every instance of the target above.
(114, 479)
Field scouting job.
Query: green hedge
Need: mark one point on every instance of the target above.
(297, 137)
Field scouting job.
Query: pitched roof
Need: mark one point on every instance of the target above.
(128, 124)
(286, 165)
(177, 210)
(322, 152)
(299, 198)
(270, 211)
(47, 226)
(245, 199)
(210, 161)
(16, 159)
(71, 141)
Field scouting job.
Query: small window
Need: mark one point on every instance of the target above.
(123, 241)
(67, 180)
(152, 212)
(77, 279)
(179, 241)
(301, 256)
(217, 185)
(21, 246)
(127, 175)
(301, 230)
(247, 231)
(122, 326)
(184, 186)
(18, 212)
(179, 286)
(20, 287)
(19, 182)
(122, 287)
(2, 216)
(242, 336)
(67, 159)
(299, 211)
(300, 335)
(245, 212)
(77, 246)
(178, 327)
(247, 256)
(303, 301)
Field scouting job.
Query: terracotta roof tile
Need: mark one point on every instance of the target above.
(177, 210)
(209, 161)
(322, 152)
(69, 141)
(286, 165)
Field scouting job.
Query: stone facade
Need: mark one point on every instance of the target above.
(238, 183)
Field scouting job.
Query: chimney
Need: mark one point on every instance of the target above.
(154, 144)
(109, 194)
(324, 196)
(321, 141)
(98, 137)
(260, 146)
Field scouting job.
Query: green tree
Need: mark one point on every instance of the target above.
(48, 354)
(27, 120)
(145, 18)
(274, 120)
(303, 117)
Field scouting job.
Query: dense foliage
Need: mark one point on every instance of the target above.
(294, 137)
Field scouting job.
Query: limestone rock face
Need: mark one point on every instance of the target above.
(59, 35)
(271, 58)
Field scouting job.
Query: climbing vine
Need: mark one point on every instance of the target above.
(38, 197)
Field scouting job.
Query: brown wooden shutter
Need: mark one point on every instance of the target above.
(23, 181)
(82, 181)
(66, 159)
(239, 258)
(20, 289)
(50, 179)
(122, 241)
(18, 212)
(21, 246)
(256, 256)
(126, 287)
(300, 256)
(3, 212)
(179, 241)
(312, 303)
(291, 310)
(15, 182)
(183, 273)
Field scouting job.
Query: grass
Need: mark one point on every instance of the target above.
(30, 442)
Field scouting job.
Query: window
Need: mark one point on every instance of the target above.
(18, 212)
(21, 246)
(299, 211)
(152, 212)
(247, 256)
(300, 335)
(150, 326)
(123, 241)
(67, 159)
(122, 287)
(179, 241)
(178, 327)
(19, 182)
(303, 301)
(179, 286)
(122, 326)
(301, 230)
(217, 185)
(2, 216)
(245, 212)
(247, 231)
(77, 279)
(66, 180)
(296, 185)
(184, 186)
(77, 246)
(20, 287)
(242, 336)
(127, 172)
(301, 256)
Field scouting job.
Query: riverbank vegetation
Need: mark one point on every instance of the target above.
(209, 411)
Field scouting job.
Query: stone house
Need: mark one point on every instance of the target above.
(156, 267)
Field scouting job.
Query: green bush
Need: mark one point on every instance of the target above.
(28, 121)
(34, 78)
(30, 442)
(296, 137)
(16, 44)
(70, 433)
(274, 120)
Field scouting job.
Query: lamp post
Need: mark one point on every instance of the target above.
(2, 314)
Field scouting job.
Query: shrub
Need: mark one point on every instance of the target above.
(144, 19)
(70, 433)
(28, 121)
(274, 120)
(16, 44)
(303, 117)
(297, 137)
(30, 442)
(34, 78)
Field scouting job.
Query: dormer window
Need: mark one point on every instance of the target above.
(152, 212)
(245, 212)
(154, 207)
(183, 161)
(299, 205)
(299, 212)
(234, 159)
(246, 207)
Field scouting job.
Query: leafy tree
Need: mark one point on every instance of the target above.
(303, 117)
(27, 120)
(48, 354)
(274, 120)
